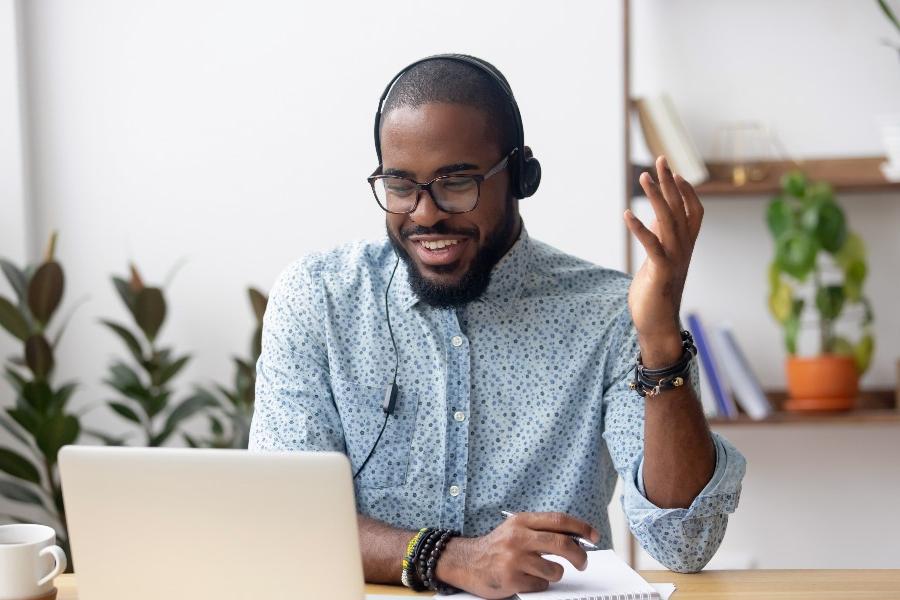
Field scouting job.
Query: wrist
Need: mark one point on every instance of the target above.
(660, 351)
(451, 567)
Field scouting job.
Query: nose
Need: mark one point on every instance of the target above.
(427, 213)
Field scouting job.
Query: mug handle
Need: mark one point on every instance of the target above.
(61, 563)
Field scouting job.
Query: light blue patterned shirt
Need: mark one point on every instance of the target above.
(518, 401)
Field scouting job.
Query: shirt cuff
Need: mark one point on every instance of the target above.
(719, 496)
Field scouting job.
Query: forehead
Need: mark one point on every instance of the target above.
(436, 134)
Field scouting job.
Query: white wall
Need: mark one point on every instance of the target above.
(817, 74)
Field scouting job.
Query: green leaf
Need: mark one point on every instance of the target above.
(125, 293)
(45, 291)
(25, 419)
(156, 403)
(841, 346)
(18, 466)
(125, 411)
(171, 369)
(853, 249)
(150, 311)
(794, 183)
(19, 493)
(830, 301)
(64, 393)
(215, 425)
(130, 340)
(105, 438)
(796, 253)
(13, 429)
(258, 301)
(889, 13)
(863, 351)
(16, 278)
(779, 217)
(256, 344)
(791, 330)
(39, 356)
(12, 320)
(39, 396)
(825, 220)
(781, 302)
(15, 379)
(56, 432)
(200, 400)
(191, 442)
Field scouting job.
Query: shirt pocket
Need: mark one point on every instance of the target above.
(362, 418)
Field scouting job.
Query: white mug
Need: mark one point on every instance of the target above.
(29, 560)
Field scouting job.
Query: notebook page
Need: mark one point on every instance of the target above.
(606, 574)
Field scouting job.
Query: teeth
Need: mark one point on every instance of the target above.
(438, 244)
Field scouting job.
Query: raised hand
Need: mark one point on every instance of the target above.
(655, 294)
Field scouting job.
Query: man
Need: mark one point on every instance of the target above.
(467, 369)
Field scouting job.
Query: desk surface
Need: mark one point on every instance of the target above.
(741, 585)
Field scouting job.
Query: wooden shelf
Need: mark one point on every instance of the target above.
(860, 174)
(872, 406)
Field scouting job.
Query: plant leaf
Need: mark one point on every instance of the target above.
(889, 13)
(68, 319)
(130, 340)
(18, 466)
(12, 320)
(18, 492)
(45, 291)
(796, 253)
(15, 379)
(863, 351)
(105, 438)
(258, 301)
(56, 432)
(125, 292)
(830, 301)
(39, 356)
(25, 419)
(14, 429)
(150, 311)
(200, 400)
(779, 216)
(170, 370)
(794, 183)
(16, 278)
(125, 411)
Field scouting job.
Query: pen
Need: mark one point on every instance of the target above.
(583, 542)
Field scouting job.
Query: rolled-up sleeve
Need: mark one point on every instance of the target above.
(682, 539)
(294, 409)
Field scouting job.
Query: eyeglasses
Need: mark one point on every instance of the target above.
(452, 194)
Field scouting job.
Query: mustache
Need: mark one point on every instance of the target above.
(438, 229)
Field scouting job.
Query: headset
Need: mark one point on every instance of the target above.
(525, 177)
(525, 170)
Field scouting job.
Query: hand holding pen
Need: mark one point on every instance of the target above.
(587, 545)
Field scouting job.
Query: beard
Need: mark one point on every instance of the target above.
(474, 282)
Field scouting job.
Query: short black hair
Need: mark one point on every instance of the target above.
(456, 82)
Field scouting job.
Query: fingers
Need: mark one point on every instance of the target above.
(547, 570)
(672, 194)
(560, 544)
(557, 522)
(652, 246)
(661, 208)
(693, 207)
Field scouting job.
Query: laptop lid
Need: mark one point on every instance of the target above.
(152, 523)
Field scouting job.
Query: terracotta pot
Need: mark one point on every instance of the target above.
(826, 382)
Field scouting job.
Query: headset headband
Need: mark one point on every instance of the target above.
(481, 65)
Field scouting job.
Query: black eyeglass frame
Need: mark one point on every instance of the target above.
(376, 176)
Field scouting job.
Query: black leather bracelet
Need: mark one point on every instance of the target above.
(650, 382)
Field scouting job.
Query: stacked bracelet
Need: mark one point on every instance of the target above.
(408, 577)
(420, 563)
(650, 382)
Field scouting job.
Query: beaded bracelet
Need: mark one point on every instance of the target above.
(650, 382)
(408, 577)
(430, 581)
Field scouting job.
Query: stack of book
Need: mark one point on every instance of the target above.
(726, 379)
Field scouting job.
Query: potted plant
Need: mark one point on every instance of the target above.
(819, 265)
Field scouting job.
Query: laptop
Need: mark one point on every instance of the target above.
(163, 523)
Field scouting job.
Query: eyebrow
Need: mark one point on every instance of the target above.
(445, 170)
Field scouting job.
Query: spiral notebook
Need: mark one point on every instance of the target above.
(606, 577)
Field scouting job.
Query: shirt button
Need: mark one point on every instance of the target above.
(454, 490)
(459, 416)
(456, 341)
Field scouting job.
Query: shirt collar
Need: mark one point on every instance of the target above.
(507, 278)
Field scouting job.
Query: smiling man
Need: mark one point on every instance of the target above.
(467, 369)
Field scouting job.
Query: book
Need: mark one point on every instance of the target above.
(606, 577)
(747, 390)
(664, 133)
(710, 368)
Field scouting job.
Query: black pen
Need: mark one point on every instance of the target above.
(583, 542)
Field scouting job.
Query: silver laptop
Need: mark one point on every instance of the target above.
(154, 524)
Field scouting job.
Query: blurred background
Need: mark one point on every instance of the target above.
(183, 138)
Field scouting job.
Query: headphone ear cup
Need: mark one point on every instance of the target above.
(528, 174)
